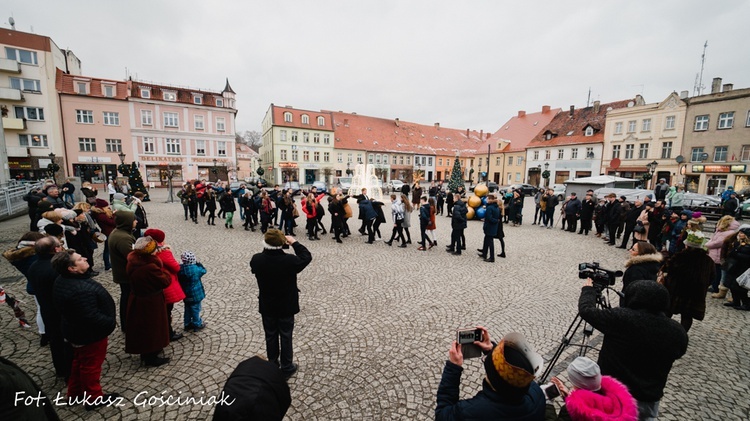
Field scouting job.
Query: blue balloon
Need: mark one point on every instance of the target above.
(480, 212)
(484, 200)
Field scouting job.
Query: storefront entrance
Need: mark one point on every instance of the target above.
(95, 173)
(309, 176)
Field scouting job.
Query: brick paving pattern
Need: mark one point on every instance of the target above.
(376, 323)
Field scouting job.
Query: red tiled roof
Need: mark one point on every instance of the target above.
(66, 84)
(25, 40)
(184, 95)
(568, 129)
(520, 129)
(278, 118)
(359, 132)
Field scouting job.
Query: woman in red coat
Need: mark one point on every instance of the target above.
(173, 293)
(147, 328)
(309, 205)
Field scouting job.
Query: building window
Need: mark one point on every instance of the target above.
(560, 153)
(745, 154)
(33, 140)
(113, 145)
(696, 155)
(326, 139)
(219, 102)
(220, 125)
(726, 120)
(30, 113)
(282, 154)
(631, 126)
(26, 85)
(111, 118)
(589, 131)
(394, 159)
(669, 123)
(295, 155)
(85, 116)
(377, 159)
(401, 160)
(510, 160)
(574, 153)
(305, 156)
(109, 90)
(615, 151)
(370, 158)
(86, 144)
(198, 99)
(23, 56)
(349, 157)
(171, 120)
(287, 117)
(339, 157)
(618, 127)
(82, 88)
(305, 119)
(519, 160)
(408, 160)
(547, 154)
(222, 148)
(666, 150)
(146, 118)
(169, 96)
(316, 156)
(440, 162)
(643, 151)
(701, 123)
(294, 136)
(747, 122)
(200, 147)
(148, 145)
(306, 137)
(629, 151)
(720, 154)
(498, 160)
(198, 120)
(321, 121)
(173, 146)
(518, 177)
(282, 135)
(145, 92)
(316, 137)
(536, 156)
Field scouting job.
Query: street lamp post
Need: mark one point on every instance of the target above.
(52, 167)
(651, 170)
(546, 174)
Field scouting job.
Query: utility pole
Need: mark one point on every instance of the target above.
(698, 88)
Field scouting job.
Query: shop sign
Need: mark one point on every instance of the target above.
(94, 159)
(739, 168)
(287, 165)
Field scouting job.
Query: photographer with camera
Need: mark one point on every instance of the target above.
(509, 391)
(640, 342)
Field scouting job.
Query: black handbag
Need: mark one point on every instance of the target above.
(640, 229)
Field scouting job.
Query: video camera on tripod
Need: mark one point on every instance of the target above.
(601, 277)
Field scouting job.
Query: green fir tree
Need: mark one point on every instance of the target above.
(456, 177)
(136, 181)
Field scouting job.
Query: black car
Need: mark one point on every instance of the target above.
(294, 185)
(526, 189)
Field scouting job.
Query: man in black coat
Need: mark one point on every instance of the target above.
(587, 213)
(276, 273)
(572, 212)
(630, 221)
(552, 201)
(33, 197)
(458, 224)
(42, 278)
(256, 390)
(612, 216)
(640, 342)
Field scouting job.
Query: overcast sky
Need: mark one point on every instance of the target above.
(465, 64)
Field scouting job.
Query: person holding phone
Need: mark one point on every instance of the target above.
(508, 389)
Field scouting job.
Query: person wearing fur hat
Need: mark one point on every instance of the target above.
(644, 263)
(276, 273)
(173, 293)
(147, 328)
(508, 389)
(736, 263)
(593, 397)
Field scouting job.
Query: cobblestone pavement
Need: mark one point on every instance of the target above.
(376, 323)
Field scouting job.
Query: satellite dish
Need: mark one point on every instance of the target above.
(704, 156)
(614, 163)
(631, 104)
(680, 159)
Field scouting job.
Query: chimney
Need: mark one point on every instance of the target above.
(545, 109)
(715, 85)
(727, 87)
(521, 113)
(683, 94)
(481, 134)
(437, 125)
(572, 109)
(289, 106)
(467, 133)
(487, 135)
(596, 106)
(397, 121)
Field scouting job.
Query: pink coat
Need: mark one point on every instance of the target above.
(173, 293)
(714, 244)
(611, 402)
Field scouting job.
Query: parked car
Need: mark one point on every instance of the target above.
(526, 189)
(294, 185)
(396, 185)
(253, 181)
(743, 210)
(559, 191)
(321, 186)
(491, 186)
(344, 184)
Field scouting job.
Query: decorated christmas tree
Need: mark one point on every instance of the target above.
(136, 181)
(456, 177)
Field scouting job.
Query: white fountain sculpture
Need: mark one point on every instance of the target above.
(364, 177)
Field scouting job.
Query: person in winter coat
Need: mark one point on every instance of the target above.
(643, 221)
(266, 211)
(105, 218)
(587, 213)
(509, 391)
(491, 222)
(397, 214)
(725, 227)
(173, 293)
(424, 221)
(226, 202)
(500, 230)
(572, 212)
(416, 194)
(111, 189)
(448, 202)
(552, 201)
(407, 217)
(247, 203)
(631, 220)
(258, 390)
(458, 224)
(89, 192)
(380, 219)
(516, 204)
(278, 294)
(368, 214)
(432, 226)
(336, 210)
(190, 275)
(538, 212)
(644, 263)
(140, 214)
(210, 199)
(119, 203)
(68, 189)
(121, 242)
(612, 217)
(147, 331)
(736, 263)
(32, 198)
(290, 212)
(594, 397)
(310, 209)
(22, 257)
(88, 318)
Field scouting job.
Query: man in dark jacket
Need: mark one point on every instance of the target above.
(368, 215)
(68, 189)
(458, 224)
(256, 390)
(572, 212)
(424, 221)
(33, 197)
(53, 197)
(587, 213)
(552, 201)
(631, 219)
(276, 273)
(490, 227)
(42, 278)
(640, 341)
(88, 317)
(661, 189)
(120, 245)
(508, 389)
(612, 217)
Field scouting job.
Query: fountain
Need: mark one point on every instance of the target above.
(364, 177)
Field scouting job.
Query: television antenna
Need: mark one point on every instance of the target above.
(698, 87)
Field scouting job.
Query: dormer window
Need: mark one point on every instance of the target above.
(170, 96)
(305, 119)
(287, 117)
(82, 87)
(197, 99)
(145, 93)
(108, 90)
(589, 131)
(220, 102)
(548, 136)
(321, 121)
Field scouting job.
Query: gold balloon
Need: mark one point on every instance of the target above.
(481, 189)
(475, 202)
(470, 213)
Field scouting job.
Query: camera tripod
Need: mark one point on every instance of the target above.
(602, 302)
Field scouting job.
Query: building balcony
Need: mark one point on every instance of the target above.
(10, 94)
(10, 123)
(10, 66)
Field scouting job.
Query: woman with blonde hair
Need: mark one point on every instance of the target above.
(105, 218)
(407, 217)
(725, 227)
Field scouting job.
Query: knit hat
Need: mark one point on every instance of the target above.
(156, 234)
(67, 215)
(274, 239)
(696, 215)
(513, 361)
(118, 196)
(101, 203)
(50, 186)
(188, 257)
(745, 229)
(144, 245)
(53, 230)
(585, 374)
(694, 239)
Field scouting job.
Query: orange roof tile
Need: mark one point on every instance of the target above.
(521, 129)
(278, 118)
(66, 84)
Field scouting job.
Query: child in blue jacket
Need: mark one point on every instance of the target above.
(190, 279)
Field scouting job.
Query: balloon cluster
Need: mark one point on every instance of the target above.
(477, 202)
